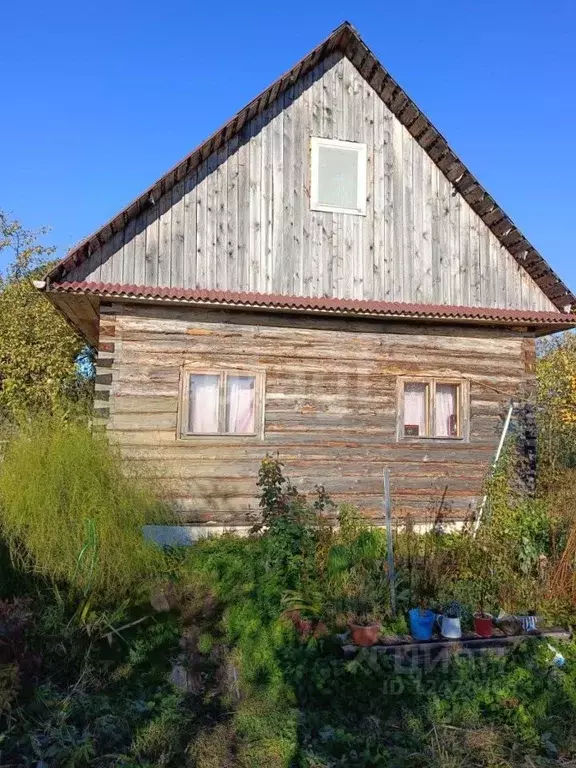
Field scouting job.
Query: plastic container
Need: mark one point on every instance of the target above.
(421, 623)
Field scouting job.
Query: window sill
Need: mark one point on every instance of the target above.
(330, 209)
(420, 439)
(219, 436)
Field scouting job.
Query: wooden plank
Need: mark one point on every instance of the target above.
(454, 255)
(151, 260)
(277, 139)
(165, 239)
(398, 292)
(189, 249)
(290, 145)
(305, 108)
(424, 225)
(437, 245)
(475, 279)
(117, 258)
(449, 247)
(139, 275)
(200, 218)
(220, 212)
(128, 266)
(177, 261)
(367, 223)
(388, 202)
(431, 652)
(255, 203)
(211, 220)
(106, 255)
(410, 262)
(379, 198)
(463, 296)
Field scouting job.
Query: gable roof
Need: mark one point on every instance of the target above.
(347, 40)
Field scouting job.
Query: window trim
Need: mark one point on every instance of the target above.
(361, 191)
(223, 373)
(462, 408)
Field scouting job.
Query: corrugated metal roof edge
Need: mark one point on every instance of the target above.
(326, 304)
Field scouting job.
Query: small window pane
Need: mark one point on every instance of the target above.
(240, 391)
(415, 396)
(446, 410)
(204, 397)
(338, 177)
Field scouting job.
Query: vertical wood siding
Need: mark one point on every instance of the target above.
(242, 220)
(330, 407)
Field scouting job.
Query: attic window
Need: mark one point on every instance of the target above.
(338, 176)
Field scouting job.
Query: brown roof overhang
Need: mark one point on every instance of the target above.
(551, 321)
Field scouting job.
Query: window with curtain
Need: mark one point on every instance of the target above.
(223, 403)
(432, 409)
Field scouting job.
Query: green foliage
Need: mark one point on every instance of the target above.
(78, 520)
(97, 704)
(556, 402)
(37, 347)
(272, 690)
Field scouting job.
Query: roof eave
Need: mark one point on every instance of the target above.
(452, 316)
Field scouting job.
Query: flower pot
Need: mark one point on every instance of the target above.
(450, 627)
(421, 623)
(365, 635)
(483, 625)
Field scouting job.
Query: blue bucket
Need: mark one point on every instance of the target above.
(421, 623)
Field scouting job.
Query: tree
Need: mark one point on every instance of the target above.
(38, 349)
(556, 401)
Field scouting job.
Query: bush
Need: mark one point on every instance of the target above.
(69, 513)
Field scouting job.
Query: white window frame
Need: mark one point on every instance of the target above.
(463, 408)
(315, 145)
(183, 426)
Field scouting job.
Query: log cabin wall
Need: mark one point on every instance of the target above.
(242, 220)
(330, 406)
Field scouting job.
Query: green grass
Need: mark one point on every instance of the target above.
(68, 512)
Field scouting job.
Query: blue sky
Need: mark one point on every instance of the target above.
(99, 99)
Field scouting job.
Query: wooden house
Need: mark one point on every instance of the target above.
(323, 278)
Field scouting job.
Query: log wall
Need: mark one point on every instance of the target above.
(330, 406)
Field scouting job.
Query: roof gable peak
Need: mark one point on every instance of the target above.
(346, 39)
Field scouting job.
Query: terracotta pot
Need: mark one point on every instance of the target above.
(483, 625)
(365, 635)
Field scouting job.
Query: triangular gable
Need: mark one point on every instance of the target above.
(344, 40)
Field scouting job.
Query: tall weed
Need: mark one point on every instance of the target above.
(68, 512)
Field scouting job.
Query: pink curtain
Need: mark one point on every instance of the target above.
(415, 409)
(240, 404)
(204, 396)
(446, 421)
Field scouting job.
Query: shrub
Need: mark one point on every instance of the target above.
(69, 513)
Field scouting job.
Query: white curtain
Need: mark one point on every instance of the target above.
(446, 421)
(204, 395)
(415, 408)
(240, 404)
